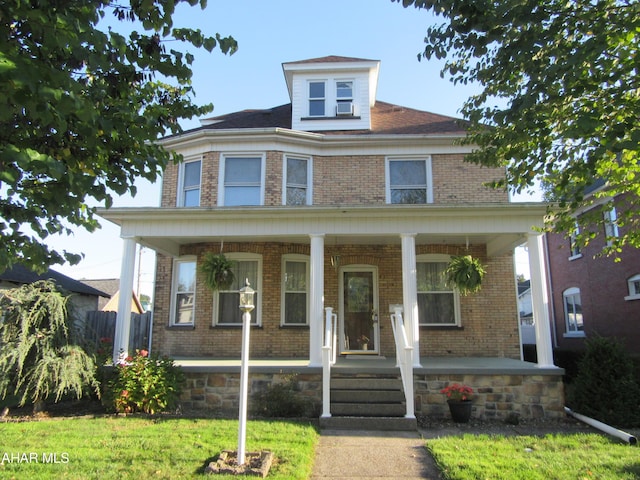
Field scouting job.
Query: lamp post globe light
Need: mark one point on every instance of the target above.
(246, 305)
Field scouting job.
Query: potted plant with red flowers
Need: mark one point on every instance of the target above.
(459, 398)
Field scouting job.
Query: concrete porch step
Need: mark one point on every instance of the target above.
(367, 396)
(369, 423)
(368, 409)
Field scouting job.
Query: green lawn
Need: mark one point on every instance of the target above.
(552, 457)
(140, 448)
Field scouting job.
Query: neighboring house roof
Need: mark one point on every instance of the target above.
(523, 287)
(386, 118)
(112, 305)
(112, 286)
(22, 275)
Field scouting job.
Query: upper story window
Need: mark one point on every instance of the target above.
(634, 288)
(242, 180)
(295, 290)
(297, 181)
(344, 98)
(226, 311)
(409, 181)
(610, 225)
(438, 302)
(317, 99)
(573, 312)
(183, 297)
(573, 243)
(189, 181)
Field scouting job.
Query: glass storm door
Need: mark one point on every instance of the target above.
(359, 317)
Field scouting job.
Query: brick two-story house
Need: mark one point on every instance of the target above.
(343, 201)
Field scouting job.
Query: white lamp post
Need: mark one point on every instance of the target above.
(246, 305)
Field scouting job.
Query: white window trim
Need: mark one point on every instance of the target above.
(353, 89)
(223, 161)
(567, 333)
(325, 98)
(294, 258)
(632, 295)
(256, 314)
(387, 174)
(174, 291)
(181, 175)
(439, 258)
(309, 177)
(572, 241)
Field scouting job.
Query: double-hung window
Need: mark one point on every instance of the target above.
(189, 193)
(409, 180)
(242, 180)
(297, 179)
(573, 312)
(344, 97)
(574, 244)
(226, 302)
(295, 290)
(317, 98)
(610, 225)
(438, 302)
(183, 298)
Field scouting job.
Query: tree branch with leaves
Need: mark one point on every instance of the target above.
(81, 106)
(559, 99)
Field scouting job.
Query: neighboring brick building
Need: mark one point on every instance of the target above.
(593, 294)
(334, 200)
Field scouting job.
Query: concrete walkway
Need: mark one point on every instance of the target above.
(350, 455)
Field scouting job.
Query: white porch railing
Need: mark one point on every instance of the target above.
(404, 360)
(328, 358)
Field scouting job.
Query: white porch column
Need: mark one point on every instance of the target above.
(540, 300)
(123, 319)
(316, 300)
(410, 294)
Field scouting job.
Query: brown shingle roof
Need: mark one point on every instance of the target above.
(386, 118)
(329, 59)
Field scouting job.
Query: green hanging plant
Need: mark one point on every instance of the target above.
(466, 273)
(218, 271)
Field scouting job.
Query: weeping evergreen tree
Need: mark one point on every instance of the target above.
(40, 355)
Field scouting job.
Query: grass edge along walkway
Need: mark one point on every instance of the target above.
(578, 456)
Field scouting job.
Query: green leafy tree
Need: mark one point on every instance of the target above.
(80, 108)
(40, 355)
(559, 97)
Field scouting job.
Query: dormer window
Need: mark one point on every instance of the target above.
(317, 99)
(344, 98)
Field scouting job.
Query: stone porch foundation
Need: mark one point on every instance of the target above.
(499, 394)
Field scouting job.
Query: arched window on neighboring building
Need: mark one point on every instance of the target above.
(634, 287)
(574, 320)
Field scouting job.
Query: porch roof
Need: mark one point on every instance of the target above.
(501, 227)
(373, 364)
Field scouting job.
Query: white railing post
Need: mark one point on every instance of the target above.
(328, 358)
(404, 360)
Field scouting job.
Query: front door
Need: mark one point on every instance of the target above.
(359, 313)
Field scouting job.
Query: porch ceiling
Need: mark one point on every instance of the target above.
(500, 226)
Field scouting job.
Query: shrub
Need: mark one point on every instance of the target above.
(605, 387)
(40, 353)
(281, 400)
(144, 383)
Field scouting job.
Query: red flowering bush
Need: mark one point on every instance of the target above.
(144, 383)
(457, 392)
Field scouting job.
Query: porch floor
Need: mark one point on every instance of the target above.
(374, 364)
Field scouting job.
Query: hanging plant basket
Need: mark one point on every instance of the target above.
(217, 271)
(466, 273)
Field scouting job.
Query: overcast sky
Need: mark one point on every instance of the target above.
(270, 33)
